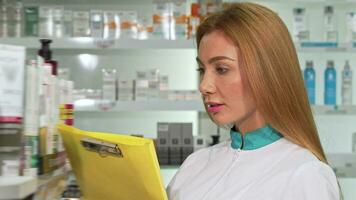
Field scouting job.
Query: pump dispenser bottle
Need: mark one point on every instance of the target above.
(46, 53)
(309, 81)
(330, 84)
(346, 88)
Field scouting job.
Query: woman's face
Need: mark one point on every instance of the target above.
(226, 96)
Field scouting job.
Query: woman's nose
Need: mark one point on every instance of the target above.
(207, 85)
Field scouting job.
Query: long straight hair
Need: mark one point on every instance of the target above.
(272, 70)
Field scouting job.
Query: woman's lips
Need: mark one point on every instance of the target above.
(214, 107)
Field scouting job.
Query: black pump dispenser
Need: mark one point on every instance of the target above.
(45, 52)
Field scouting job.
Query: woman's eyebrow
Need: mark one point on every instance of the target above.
(214, 59)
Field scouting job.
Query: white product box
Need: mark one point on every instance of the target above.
(109, 84)
(81, 26)
(12, 63)
(128, 24)
(111, 25)
(46, 21)
(96, 23)
(126, 90)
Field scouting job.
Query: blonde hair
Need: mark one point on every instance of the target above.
(270, 63)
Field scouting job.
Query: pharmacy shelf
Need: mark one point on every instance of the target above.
(334, 110)
(99, 44)
(317, 47)
(87, 43)
(87, 105)
(17, 187)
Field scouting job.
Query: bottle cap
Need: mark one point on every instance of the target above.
(194, 9)
(45, 51)
(330, 63)
(329, 10)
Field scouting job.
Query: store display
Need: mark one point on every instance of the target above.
(109, 27)
(309, 80)
(330, 84)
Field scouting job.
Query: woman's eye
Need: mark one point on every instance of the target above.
(200, 70)
(221, 70)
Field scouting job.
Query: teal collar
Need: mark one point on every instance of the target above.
(254, 139)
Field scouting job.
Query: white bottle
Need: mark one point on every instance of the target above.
(346, 90)
(300, 27)
(330, 32)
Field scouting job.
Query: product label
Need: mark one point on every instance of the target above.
(11, 83)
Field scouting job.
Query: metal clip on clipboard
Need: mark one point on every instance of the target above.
(102, 148)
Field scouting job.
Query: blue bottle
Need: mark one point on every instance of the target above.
(309, 81)
(330, 84)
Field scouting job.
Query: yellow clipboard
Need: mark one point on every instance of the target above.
(112, 166)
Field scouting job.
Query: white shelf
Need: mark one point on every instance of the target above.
(87, 105)
(17, 187)
(90, 43)
(317, 47)
(87, 43)
(334, 110)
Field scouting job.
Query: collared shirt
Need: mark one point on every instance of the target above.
(276, 170)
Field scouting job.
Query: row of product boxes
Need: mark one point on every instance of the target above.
(175, 142)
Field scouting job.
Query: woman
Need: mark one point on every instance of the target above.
(250, 78)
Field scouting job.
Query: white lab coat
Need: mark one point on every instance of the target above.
(280, 170)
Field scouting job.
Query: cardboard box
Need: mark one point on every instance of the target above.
(163, 140)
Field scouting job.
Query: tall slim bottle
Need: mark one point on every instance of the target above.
(330, 84)
(346, 88)
(309, 81)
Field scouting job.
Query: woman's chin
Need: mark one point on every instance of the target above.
(224, 123)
